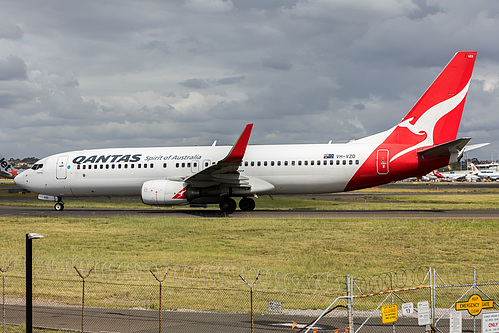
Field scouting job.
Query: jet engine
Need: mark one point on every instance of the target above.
(164, 192)
(168, 192)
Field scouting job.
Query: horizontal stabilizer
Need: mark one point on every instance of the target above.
(448, 148)
(475, 146)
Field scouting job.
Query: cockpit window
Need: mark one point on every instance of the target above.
(37, 166)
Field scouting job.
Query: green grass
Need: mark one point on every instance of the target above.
(300, 246)
(359, 247)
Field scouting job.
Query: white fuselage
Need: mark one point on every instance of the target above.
(315, 168)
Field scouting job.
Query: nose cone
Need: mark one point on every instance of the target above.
(19, 179)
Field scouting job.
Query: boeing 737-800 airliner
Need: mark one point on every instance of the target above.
(423, 141)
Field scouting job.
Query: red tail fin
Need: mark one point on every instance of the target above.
(443, 101)
(436, 116)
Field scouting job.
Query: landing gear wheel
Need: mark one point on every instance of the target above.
(247, 204)
(59, 206)
(228, 205)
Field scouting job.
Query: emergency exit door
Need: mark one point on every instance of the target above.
(382, 161)
(61, 171)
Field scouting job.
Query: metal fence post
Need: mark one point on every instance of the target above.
(350, 302)
(429, 328)
(29, 280)
(160, 293)
(83, 295)
(251, 296)
(3, 294)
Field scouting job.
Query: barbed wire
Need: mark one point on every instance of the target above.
(228, 276)
(184, 275)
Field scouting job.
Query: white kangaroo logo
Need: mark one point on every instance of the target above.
(428, 120)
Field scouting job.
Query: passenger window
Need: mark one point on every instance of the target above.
(139, 165)
(357, 162)
(319, 163)
(265, 163)
(164, 165)
(145, 165)
(350, 162)
(151, 165)
(188, 165)
(258, 163)
(337, 162)
(77, 167)
(285, 163)
(206, 164)
(119, 166)
(278, 163)
(252, 163)
(299, 163)
(246, 163)
(305, 163)
(292, 163)
(183, 165)
(107, 166)
(112, 166)
(102, 166)
(132, 166)
(344, 162)
(331, 162)
(311, 162)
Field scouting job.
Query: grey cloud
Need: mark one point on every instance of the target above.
(277, 64)
(182, 72)
(12, 68)
(10, 31)
(195, 84)
(231, 80)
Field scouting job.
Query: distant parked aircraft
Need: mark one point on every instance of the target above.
(6, 169)
(489, 174)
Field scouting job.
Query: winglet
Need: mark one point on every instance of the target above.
(239, 149)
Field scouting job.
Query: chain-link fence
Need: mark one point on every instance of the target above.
(91, 296)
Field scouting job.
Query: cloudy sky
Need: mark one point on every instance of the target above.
(92, 74)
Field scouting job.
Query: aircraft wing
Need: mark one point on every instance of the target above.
(224, 172)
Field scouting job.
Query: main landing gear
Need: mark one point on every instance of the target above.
(228, 205)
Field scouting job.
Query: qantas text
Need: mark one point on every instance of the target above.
(132, 158)
(107, 159)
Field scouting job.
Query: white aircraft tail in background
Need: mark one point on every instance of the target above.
(423, 141)
(6, 169)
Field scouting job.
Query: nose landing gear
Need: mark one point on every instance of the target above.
(59, 206)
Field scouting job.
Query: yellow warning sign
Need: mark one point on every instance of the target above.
(389, 313)
(474, 305)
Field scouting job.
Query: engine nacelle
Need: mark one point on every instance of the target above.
(164, 192)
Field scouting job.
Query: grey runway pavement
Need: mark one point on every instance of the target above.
(145, 321)
(6, 211)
